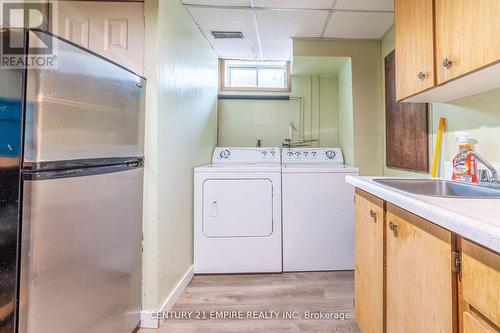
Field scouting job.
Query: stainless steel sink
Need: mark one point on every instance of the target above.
(440, 188)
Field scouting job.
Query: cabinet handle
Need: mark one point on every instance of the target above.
(421, 76)
(447, 63)
(373, 215)
(394, 228)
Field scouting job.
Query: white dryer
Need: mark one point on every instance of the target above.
(318, 210)
(237, 212)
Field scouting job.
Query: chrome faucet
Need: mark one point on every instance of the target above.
(484, 177)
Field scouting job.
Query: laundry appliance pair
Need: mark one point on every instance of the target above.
(262, 210)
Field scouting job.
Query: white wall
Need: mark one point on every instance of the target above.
(181, 132)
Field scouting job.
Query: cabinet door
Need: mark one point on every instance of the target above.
(474, 324)
(369, 263)
(414, 47)
(480, 281)
(419, 278)
(466, 35)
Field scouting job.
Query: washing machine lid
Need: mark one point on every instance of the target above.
(319, 168)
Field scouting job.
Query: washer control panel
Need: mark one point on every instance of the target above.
(313, 155)
(246, 155)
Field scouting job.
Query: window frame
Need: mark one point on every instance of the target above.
(224, 87)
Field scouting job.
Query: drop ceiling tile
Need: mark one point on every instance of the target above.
(358, 25)
(277, 27)
(309, 4)
(212, 19)
(365, 4)
(217, 2)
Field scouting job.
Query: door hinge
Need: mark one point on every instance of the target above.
(456, 262)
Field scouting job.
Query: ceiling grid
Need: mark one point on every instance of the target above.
(257, 30)
(269, 25)
(328, 18)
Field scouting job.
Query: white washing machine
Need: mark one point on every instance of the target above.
(237, 212)
(318, 210)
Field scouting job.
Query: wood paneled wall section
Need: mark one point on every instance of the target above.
(407, 136)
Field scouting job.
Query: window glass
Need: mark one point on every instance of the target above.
(272, 78)
(242, 77)
(258, 75)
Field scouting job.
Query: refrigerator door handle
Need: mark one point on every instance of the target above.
(71, 173)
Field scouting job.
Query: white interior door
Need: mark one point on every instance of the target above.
(114, 30)
(237, 208)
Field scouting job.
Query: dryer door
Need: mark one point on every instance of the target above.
(237, 208)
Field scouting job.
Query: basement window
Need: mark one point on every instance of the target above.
(255, 76)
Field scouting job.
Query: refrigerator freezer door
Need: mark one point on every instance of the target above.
(81, 253)
(85, 107)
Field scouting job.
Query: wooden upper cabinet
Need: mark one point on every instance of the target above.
(419, 279)
(414, 41)
(369, 263)
(467, 36)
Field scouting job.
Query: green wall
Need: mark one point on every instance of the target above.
(312, 109)
(181, 128)
(346, 114)
(362, 141)
(479, 115)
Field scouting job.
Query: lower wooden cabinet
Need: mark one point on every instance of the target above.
(369, 263)
(420, 296)
(480, 288)
(472, 323)
(413, 276)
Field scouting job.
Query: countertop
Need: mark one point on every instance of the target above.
(475, 219)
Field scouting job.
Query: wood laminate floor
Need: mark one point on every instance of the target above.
(270, 295)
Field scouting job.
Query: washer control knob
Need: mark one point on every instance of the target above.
(289, 154)
(225, 153)
(330, 154)
(298, 153)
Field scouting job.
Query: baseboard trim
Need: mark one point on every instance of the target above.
(150, 319)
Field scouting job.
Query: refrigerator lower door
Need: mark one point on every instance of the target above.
(81, 252)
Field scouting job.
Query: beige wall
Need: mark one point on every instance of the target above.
(367, 142)
(313, 110)
(181, 127)
(479, 115)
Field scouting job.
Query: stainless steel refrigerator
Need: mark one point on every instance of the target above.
(71, 156)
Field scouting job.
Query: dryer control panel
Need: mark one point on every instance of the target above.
(246, 155)
(313, 155)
